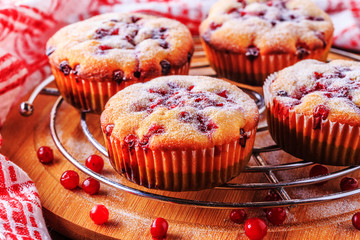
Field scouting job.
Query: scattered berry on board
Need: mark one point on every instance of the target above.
(255, 228)
(238, 215)
(91, 186)
(276, 215)
(99, 214)
(69, 179)
(45, 154)
(159, 228)
(95, 163)
(348, 183)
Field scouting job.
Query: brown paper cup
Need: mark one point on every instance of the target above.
(239, 68)
(91, 96)
(180, 170)
(333, 144)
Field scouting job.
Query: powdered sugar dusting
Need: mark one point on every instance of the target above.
(200, 109)
(273, 26)
(311, 83)
(132, 42)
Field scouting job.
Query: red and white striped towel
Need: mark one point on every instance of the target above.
(25, 26)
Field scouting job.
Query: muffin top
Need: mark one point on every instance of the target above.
(179, 112)
(267, 27)
(327, 90)
(121, 47)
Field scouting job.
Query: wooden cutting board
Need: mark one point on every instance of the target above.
(67, 212)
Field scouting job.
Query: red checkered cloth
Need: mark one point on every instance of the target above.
(25, 26)
(20, 208)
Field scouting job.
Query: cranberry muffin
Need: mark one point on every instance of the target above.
(93, 59)
(313, 111)
(180, 133)
(247, 40)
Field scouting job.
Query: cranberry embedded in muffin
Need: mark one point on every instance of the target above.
(93, 59)
(247, 40)
(180, 132)
(313, 111)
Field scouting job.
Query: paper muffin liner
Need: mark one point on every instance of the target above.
(333, 144)
(91, 96)
(239, 68)
(180, 170)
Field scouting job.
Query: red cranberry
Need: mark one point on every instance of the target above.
(104, 47)
(232, 10)
(238, 215)
(154, 129)
(159, 34)
(311, 18)
(99, 214)
(320, 112)
(321, 37)
(45, 154)
(159, 228)
(95, 163)
(214, 26)
(255, 228)
(165, 67)
(100, 33)
(276, 215)
(348, 183)
(223, 94)
(189, 55)
(137, 74)
(186, 117)
(318, 75)
(131, 141)
(356, 220)
(91, 186)
(320, 86)
(134, 19)
(281, 93)
(302, 52)
(243, 138)
(318, 170)
(69, 179)
(130, 39)
(252, 53)
(343, 92)
(65, 67)
(108, 129)
(164, 45)
(272, 196)
(205, 125)
(118, 76)
(260, 14)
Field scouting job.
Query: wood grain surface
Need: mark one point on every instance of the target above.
(67, 212)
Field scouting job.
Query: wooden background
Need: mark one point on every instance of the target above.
(67, 212)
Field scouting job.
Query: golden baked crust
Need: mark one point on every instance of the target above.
(324, 90)
(179, 112)
(279, 26)
(121, 47)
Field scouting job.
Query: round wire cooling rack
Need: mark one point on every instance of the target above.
(26, 109)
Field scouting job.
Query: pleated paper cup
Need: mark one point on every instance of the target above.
(91, 96)
(239, 68)
(333, 144)
(181, 170)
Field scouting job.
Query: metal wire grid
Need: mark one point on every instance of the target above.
(26, 109)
